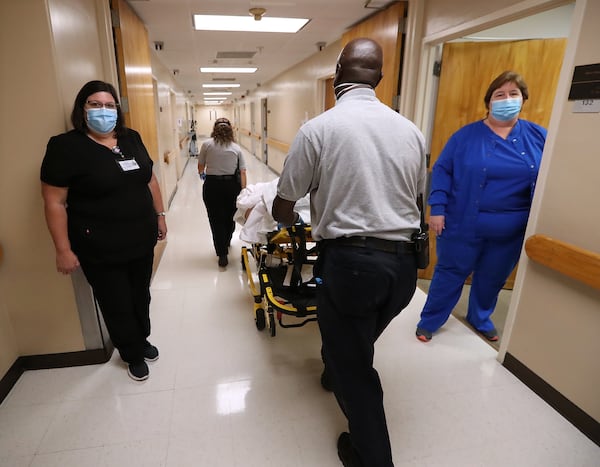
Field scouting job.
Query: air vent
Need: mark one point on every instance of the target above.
(236, 55)
(224, 79)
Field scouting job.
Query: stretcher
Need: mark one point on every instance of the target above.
(280, 278)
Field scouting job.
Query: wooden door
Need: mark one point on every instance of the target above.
(467, 70)
(329, 94)
(135, 75)
(383, 28)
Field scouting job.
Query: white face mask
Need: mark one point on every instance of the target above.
(343, 88)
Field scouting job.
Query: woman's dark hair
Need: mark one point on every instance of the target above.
(500, 80)
(78, 114)
(222, 132)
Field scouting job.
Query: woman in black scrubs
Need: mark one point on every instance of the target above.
(105, 213)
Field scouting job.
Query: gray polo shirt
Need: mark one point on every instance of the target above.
(220, 160)
(363, 165)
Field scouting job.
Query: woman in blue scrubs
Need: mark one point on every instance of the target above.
(481, 191)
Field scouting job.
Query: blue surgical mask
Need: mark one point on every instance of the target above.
(102, 120)
(506, 109)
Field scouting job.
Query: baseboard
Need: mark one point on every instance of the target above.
(44, 362)
(10, 379)
(581, 420)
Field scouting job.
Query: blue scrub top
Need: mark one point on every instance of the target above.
(478, 171)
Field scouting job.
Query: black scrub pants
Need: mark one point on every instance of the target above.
(363, 289)
(122, 291)
(220, 194)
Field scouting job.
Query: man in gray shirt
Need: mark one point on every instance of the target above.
(364, 167)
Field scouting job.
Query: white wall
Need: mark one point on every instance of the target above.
(294, 97)
(206, 116)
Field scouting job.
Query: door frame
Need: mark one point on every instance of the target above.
(264, 134)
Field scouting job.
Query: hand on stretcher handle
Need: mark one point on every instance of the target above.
(297, 220)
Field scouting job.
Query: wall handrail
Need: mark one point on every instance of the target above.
(570, 260)
(283, 147)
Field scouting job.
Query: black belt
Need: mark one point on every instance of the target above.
(221, 177)
(389, 246)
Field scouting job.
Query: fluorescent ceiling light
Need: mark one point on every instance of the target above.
(217, 93)
(215, 98)
(232, 85)
(217, 69)
(247, 23)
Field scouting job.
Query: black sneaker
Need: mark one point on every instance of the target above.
(223, 261)
(150, 353)
(423, 335)
(491, 335)
(138, 371)
(346, 451)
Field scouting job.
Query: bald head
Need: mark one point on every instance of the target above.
(360, 62)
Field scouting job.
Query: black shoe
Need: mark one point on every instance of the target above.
(150, 353)
(423, 335)
(346, 451)
(138, 371)
(491, 336)
(223, 261)
(326, 382)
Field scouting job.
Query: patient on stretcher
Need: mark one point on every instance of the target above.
(254, 204)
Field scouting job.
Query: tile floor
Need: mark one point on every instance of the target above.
(224, 394)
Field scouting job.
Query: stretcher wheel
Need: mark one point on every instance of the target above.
(260, 319)
(272, 324)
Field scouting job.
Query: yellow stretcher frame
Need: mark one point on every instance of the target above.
(264, 298)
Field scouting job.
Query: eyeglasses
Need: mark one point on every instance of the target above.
(99, 105)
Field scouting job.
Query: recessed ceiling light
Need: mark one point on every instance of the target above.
(215, 98)
(216, 69)
(248, 24)
(217, 93)
(230, 85)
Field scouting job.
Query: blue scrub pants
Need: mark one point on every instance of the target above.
(491, 255)
(362, 291)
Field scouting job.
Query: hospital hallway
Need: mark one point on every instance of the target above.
(225, 394)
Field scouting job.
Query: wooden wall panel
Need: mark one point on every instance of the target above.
(135, 75)
(383, 27)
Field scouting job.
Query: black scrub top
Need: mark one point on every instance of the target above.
(111, 216)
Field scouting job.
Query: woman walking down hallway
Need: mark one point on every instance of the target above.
(222, 167)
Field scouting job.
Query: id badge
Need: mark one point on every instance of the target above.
(127, 165)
